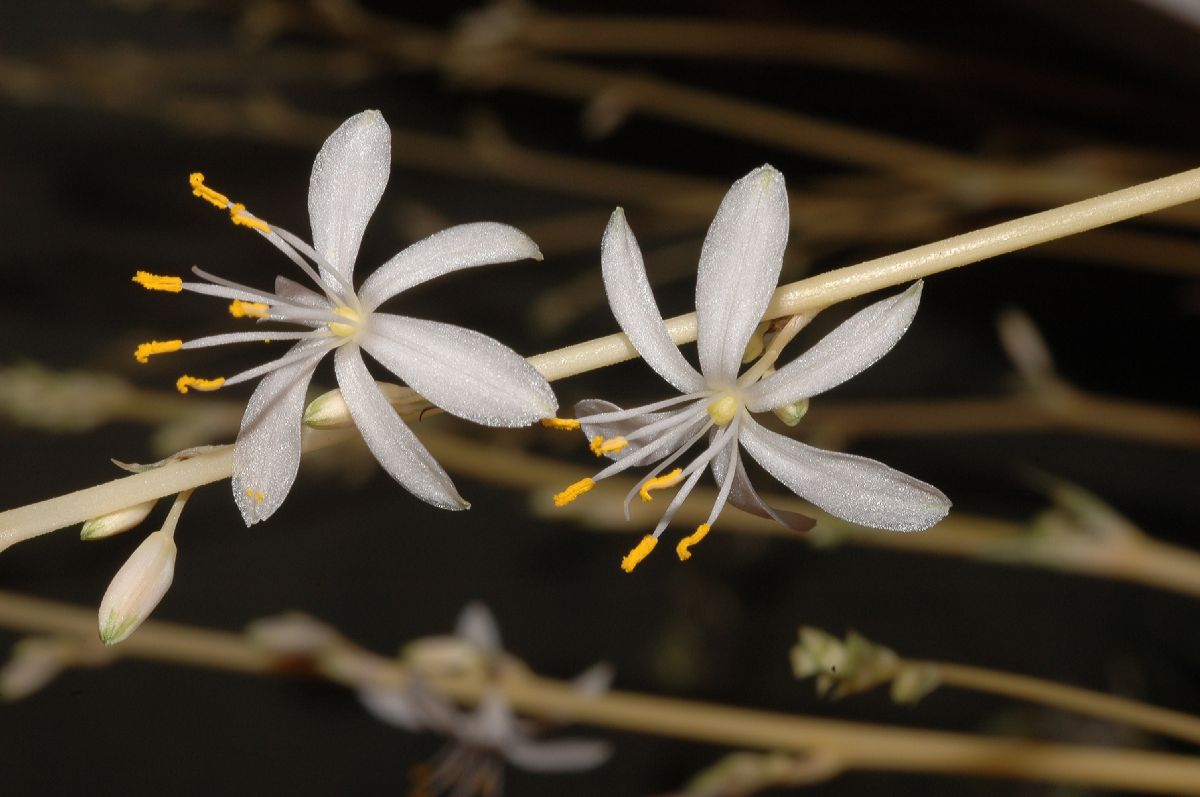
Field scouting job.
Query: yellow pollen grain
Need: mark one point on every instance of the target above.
(690, 540)
(344, 330)
(258, 495)
(240, 309)
(639, 552)
(574, 491)
(600, 446)
(196, 179)
(659, 483)
(144, 350)
(183, 383)
(153, 282)
(566, 424)
(238, 215)
(723, 410)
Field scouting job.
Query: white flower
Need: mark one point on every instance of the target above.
(490, 734)
(739, 266)
(463, 372)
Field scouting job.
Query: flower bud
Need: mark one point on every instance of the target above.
(791, 414)
(35, 662)
(292, 634)
(914, 682)
(116, 522)
(756, 345)
(137, 588)
(329, 410)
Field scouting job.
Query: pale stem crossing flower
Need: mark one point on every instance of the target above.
(463, 372)
(739, 267)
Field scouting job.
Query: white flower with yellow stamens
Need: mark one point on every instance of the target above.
(463, 372)
(739, 266)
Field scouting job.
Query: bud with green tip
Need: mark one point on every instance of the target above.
(116, 522)
(137, 588)
(791, 414)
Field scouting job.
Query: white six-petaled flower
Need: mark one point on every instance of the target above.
(463, 372)
(739, 266)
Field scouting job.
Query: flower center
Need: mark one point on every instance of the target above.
(344, 330)
(724, 409)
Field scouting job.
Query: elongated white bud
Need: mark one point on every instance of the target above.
(329, 410)
(137, 588)
(116, 522)
(35, 662)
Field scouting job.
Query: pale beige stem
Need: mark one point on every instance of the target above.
(1082, 701)
(853, 745)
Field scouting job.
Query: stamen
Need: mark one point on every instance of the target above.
(690, 540)
(153, 282)
(659, 483)
(144, 350)
(566, 424)
(184, 382)
(574, 491)
(207, 194)
(639, 552)
(600, 446)
(240, 216)
(240, 309)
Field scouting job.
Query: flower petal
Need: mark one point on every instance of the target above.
(393, 706)
(390, 440)
(464, 246)
(563, 755)
(848, 350)
(348, 179)
(856, 489)
(462, 371)
(739, 266)
(477, 626)
(266, 455)
(633, 305)
(292, 291)
(743, 496)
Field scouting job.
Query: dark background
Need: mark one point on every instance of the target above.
(93, 164)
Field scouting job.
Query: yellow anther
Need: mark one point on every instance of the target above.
(207, 194)
(659, 483)
(723, 410)
(153, 282)
(574, 491)
(344, 330)
(240, 309)
(144, 350)
(566, 424)
(600, 446)
(689, 541)
(184, 382)
(258, 495)
(639, 552)
(239, 216)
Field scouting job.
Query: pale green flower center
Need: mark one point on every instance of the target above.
(723, 409)
(344, 330)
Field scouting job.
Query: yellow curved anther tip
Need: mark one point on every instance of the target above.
(144, 350)
(600, 446)
(238, 215)
(566, 424)
(154, 282)
(687, 542)
(639, 552)
(196, 180)
(240, 309)
(574, 491)
(659, 483)
(185, 382)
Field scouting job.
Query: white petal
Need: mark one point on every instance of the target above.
(393, 444)
(633, 305)
(348, 179)
(595, 680)
(856, 489)
(452, 249)
(848, 350)
(462, 371)
(294, 292)
(739, 266)
(266, 455)
(565, 755)
(477, 626)
(394, 707)
(743, 496)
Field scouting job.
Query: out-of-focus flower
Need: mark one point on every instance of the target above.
(463, 372)
(739, 267)
(856, 664)
(484, 738)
